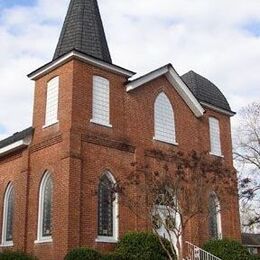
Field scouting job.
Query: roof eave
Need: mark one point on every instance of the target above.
(15, 146)
(83, 57)
(218, 109)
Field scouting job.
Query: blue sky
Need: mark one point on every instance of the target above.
(11, 3)
(200, 35)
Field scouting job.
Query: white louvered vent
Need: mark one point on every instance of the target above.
(214, 136)
(51, 115)
(164, 125)
(101, 106)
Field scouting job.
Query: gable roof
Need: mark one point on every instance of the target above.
(205, 91)
(83, 31)
(251, 239)
(176, 82)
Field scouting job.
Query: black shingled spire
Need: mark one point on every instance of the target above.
(83, 31)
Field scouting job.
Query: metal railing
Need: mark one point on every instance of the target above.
(196, 253)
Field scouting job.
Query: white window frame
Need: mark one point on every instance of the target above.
(51, 117)
(114, 238)
(214, 133)
(168, 105)
(40, 237)
(5, 211)
(100, 117)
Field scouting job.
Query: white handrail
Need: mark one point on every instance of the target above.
(196, 253)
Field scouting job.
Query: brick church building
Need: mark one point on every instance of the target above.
(90, 122)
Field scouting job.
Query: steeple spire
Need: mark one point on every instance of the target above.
(83, 31)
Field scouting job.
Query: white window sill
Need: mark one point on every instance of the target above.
(165, 141)
(43, 241)
(106, 240)
(218, 155)
(100, 123)
(51, 124)
(7, 244)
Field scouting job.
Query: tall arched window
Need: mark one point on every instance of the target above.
(101, 101)
(52, 101)
(7, 230)
(107, 208)
(45, 209)
(214, 132)
(164, 124)
(215, 229)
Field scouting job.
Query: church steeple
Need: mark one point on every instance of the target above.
(83, 31)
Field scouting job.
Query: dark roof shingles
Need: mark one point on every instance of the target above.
(16, 137)
(83, 31)
(205, 91)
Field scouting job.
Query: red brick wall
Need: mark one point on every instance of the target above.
(77, 152)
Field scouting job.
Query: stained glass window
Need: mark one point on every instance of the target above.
(9, 216)
(106, 197)
(47, 209)
(214, 217)
(7, 236)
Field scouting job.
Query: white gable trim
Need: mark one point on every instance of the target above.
(85, 58)
(176, 82)
(217, 109)
(15, 146)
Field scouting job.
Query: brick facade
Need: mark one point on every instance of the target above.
(77, 152)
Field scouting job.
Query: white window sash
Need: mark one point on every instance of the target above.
(40, 237)
(5, 212)
(52, 102)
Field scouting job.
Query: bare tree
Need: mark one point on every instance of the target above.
(247, 156)
(171, 196)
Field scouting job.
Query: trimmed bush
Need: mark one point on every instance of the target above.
(227, 249)
(8, 255)
(141, 245)
(83, 254)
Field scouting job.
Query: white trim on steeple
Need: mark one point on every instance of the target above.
(83, 57)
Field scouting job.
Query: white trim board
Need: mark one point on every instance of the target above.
(15, 146)
(83, 57)
(176, 82)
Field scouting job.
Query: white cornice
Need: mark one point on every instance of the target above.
(217, 109)
(85, 58)
(176, 82)
(15, 146)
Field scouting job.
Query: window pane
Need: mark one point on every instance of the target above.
(105, 210)
(52, 101)
(47, 209)
(214, 136)
(213, 217)
(9, 216)
(164, 124)
(100, 100)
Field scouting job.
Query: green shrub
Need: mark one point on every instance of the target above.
(143, 246)
(227, 249)
(9, 255)
(83, 254)
(112, 256)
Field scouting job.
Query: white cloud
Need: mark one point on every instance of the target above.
(208, 36)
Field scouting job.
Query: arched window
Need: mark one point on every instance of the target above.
(45, 209)
(164, 124)
(101, 101)
(215, 145)
(52, 100)
(107, 208)
(215, 229)
(8, 214)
